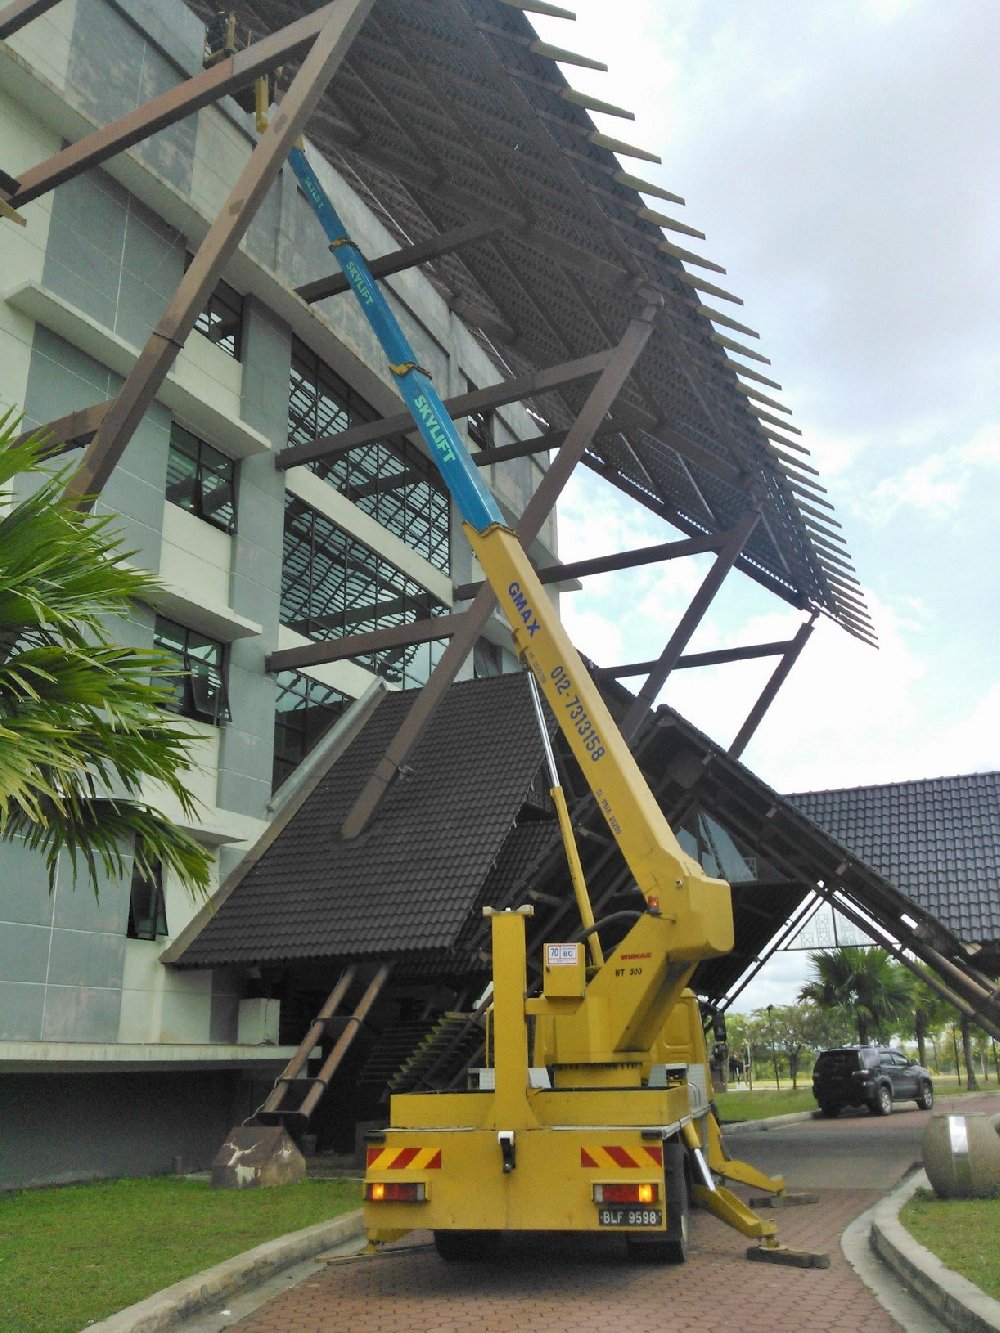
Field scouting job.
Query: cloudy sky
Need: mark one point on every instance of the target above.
(842, 158)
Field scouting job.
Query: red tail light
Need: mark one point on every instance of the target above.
(395, 1191)
(637, 1192)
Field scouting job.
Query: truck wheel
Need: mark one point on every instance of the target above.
(829, 1109)
(672, 1246)
(678, 1203)
(882, 1105)
(460, 1246)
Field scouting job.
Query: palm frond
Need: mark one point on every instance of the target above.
(83, 726)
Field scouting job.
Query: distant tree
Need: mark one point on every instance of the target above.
(82, 727)
(864, 984)
(929, 1013)
(800, 1030)
(970, 1069)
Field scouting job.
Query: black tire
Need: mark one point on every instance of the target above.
(461, 1247)
(882, 1105)
(671, 1247)
(678, 1204)
(925, 1098)
(830, 1109)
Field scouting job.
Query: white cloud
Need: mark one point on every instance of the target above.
(778, 982)
(841, 158)
(939, 485)
(983, 450)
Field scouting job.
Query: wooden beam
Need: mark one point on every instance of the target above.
(603, 564)
(19, 13)
(789, 657)
(720, 657)
(71, 430)
(477, 400)
(358, 645)
(171, 106)
(735, 540)
(408, 257)
(536, 444)
(339, 22)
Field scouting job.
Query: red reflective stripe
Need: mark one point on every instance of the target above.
(586, 1159)
(371, 1155)
(656, 1154)
(403, 1158)
(619, 1156)
(435, 1163)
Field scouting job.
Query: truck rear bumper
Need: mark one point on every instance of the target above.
(548, 1184)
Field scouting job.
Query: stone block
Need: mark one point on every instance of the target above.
(257, 1155)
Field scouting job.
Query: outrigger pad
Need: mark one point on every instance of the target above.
(781, 1254)
(783, 1200)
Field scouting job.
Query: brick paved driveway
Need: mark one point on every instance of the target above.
(582, 1284)
(574, 1283)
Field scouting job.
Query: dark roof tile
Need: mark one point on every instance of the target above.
(406, 885)
(937, 840)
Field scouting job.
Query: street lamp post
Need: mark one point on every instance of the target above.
(774, 1057)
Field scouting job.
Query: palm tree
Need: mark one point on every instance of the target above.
(862, 982)
(82, 726)
(930, 1012)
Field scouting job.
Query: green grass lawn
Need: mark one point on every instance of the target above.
(71, 1256)
(766, 1101)
(963, 1233)
(763, 1103)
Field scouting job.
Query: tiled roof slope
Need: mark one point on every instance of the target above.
(407, 885)
(937, 840)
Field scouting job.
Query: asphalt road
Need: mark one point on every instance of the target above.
(872, 1151)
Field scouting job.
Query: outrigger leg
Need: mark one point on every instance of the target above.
(731, 1209)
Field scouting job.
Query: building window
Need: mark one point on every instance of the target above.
(304, 711)
(147, 910)
(320, 403)
(199, 690)
(479, 424)
(201, 480)
(333, 586)
(390, 480)
(221, 322)
(487, 659)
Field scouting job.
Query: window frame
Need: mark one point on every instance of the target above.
(392, 481)
(301, 686)
(226, 298)
(191, 684)
(154, 923)
(203, 456)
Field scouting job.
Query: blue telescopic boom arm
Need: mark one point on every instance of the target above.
(476, 505)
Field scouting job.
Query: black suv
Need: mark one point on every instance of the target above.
(871, 1076)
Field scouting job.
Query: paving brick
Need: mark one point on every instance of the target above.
(588, 1283)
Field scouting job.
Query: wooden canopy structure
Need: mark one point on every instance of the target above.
(461, 131)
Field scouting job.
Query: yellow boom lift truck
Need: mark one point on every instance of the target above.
(593, 1114)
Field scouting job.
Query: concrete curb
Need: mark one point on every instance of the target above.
(762, 1126)
(167, 1308)
(954, 1299)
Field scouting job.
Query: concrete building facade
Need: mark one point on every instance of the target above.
(110, 1062)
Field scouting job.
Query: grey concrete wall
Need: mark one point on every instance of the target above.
(255, 592)
(113, 68)
(61, 954)
(58, 1128)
